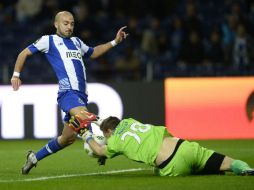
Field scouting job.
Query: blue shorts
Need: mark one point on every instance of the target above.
(71, 99)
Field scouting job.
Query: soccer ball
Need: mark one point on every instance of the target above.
(99, 139)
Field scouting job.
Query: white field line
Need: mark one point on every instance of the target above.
(71, 175)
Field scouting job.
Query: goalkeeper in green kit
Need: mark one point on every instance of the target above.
(153, 145)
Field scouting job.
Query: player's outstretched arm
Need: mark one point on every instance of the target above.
(103, 48)
(15, 80)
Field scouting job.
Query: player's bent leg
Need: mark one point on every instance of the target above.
(54, 145)
(81, 119)
(31, 161)
(80, 111)
(67, 137)
(32, 158)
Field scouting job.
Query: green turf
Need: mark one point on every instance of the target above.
(73, 160)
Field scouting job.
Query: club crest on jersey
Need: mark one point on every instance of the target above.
(74, 54)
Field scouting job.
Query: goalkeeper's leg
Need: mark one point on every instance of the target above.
(238, 167)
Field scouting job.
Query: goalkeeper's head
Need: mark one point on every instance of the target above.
(108, 125)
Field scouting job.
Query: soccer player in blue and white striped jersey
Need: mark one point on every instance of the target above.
(65, 54)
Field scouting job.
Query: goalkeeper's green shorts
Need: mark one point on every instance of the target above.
(191, 158)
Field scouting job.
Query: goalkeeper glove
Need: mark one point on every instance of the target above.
(87, 136)
(81, 125)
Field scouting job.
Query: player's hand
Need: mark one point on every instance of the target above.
(15, 82)
(121, 34)
(102, 161)
(87, 136)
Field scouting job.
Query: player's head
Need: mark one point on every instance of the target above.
(108, 125)
(64, 23)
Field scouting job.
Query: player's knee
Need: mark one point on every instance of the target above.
(66, 141)
(84, 115)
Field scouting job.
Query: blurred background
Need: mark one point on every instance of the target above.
(168, 38)
(187, 64)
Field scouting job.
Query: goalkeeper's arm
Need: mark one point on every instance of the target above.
(98, 149)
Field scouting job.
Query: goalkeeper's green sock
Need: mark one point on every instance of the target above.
(238, 166)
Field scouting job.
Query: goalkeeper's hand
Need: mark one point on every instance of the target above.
(81, 125)
(102, 160)
(78, 125)
(87, 136)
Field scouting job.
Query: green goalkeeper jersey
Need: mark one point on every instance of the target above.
(138, 141)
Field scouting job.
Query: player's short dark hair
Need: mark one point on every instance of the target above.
(109, 123)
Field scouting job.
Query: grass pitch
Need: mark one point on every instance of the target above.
(71, 168)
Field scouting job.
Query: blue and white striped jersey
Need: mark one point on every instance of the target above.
(65, 56)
